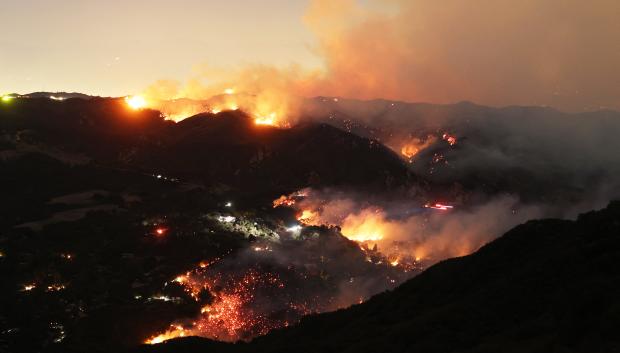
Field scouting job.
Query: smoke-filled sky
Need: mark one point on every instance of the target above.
(562, 53)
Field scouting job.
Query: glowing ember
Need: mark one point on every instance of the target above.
(439, 206)
(136, 102)
(451, 139)
(231, 313)
(55, 287)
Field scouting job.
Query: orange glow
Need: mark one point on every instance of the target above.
(161, 231)
(175, 331)
(136, 102)
(412, 148)
(283, 201)
(365, 226)
(307, 217)
(266, 120)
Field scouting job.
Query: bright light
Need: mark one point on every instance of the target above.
(294, 229)
(7, 99)
(226, 219)
(266, 120)
(29, 287)
(439, 206)
(136, 102)
(229, 91)
(57, 98)
(161, 231)
(228, 204)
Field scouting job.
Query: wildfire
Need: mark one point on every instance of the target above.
(230, 314)
(413, 147)
(307, 217)
(175, 331)
(283, 201)
(266, 120)
(136, 102)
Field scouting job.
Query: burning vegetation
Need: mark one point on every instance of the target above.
(263, 108)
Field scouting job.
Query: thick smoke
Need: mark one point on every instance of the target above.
(557, 53)
(532, 52)
(409, 228)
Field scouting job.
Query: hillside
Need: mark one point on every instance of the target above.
(545, 286)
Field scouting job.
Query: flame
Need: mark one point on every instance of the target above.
(412, 148)
(307, 217)
(136, 102)
(368, 225)
(266, 120)
(283, 201)
(175, 331)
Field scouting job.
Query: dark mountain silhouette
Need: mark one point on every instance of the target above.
(229, 147)
(58, 95)
(226, 148)
(545, 286)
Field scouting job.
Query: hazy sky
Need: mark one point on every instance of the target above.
(116, 47)
(561, 53)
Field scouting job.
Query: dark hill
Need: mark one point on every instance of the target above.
(230, 148)
(545, 286)
(227, 148)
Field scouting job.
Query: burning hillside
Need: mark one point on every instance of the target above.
(273, 283)
(264, 109)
